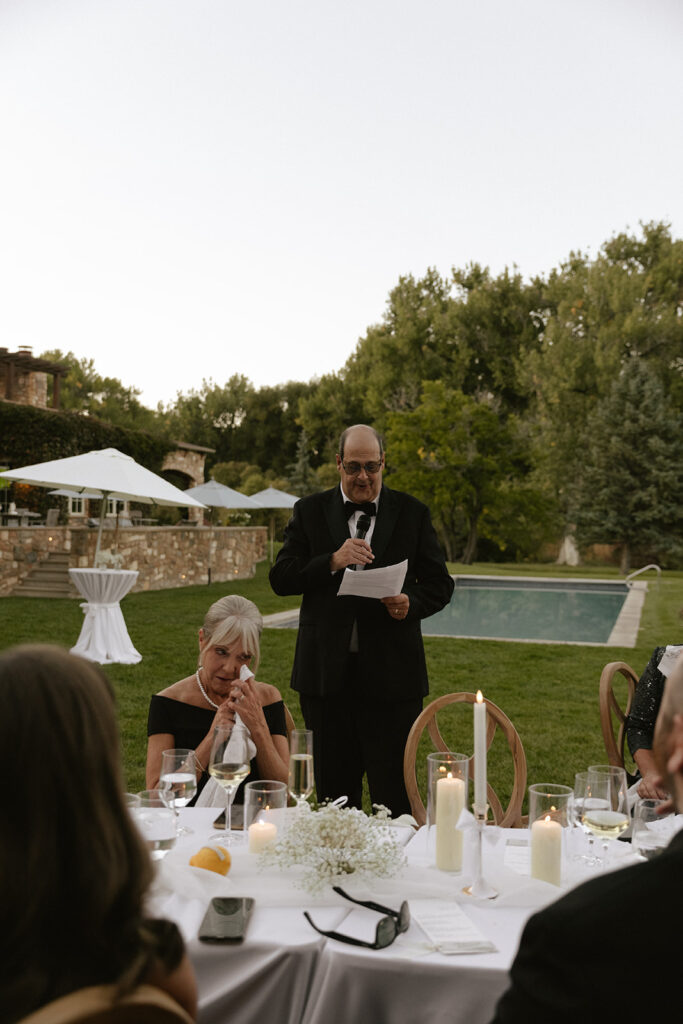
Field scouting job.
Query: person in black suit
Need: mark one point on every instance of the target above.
(359, 665)
(574, 957)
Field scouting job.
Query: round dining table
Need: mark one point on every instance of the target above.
(286, 972)
(104, 637)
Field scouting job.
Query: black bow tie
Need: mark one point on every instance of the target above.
(366, 506)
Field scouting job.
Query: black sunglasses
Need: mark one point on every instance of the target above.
(354, 468)
(396, 922)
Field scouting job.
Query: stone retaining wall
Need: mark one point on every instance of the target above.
(165, 556)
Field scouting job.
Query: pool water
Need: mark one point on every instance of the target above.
(532, 609)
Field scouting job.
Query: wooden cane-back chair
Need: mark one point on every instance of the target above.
(289, 721)
(511, 817)
(612, 715)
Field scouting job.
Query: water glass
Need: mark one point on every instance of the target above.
(265, 804)
(155, 818)
(652, 831)
(179, 777)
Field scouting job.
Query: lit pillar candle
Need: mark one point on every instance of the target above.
(546, 850)
(261, 834)
(450, 800)
(480, 800)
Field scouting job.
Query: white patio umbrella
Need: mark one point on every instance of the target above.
(217, 495)
(107, 474)
(271, 498)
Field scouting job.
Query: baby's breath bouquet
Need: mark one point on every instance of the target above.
(335, 841)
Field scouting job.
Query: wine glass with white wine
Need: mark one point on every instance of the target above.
(301, 764)
(606, 815)
(179, 777)
(229, 766)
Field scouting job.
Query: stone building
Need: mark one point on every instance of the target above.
(23, 378)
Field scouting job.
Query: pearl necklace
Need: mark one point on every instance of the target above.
(203, 691)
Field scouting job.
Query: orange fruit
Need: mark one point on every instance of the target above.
(213, 858)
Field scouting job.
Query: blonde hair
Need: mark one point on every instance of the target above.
(233, 619)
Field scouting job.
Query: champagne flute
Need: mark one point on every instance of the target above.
(610, 817)
(229, 766)
(179, 777)
(301, 764)
(155, 818)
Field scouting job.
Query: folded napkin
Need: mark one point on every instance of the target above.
(213, 795)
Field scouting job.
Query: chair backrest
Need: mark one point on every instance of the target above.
(291, 724)
(612, 715)
(511, 817)
(52, 517)
(99, 1005)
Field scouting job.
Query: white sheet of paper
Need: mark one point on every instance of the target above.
(447, 925)
(669, 659)
(385, 582)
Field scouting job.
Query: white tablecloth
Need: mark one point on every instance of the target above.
(104, 637)
(286, 973)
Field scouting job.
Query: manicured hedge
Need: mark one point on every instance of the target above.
(30, 435)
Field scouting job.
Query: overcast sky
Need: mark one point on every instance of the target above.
(196, 188)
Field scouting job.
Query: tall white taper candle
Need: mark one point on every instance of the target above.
(480, 800)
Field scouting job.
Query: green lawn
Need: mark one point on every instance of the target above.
(549, 691)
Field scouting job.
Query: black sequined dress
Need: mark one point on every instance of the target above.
(640, 725)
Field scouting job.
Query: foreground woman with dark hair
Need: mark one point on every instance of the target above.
(74, 870)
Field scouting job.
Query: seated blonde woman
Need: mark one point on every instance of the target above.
(184, 714)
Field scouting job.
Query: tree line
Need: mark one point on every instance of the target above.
(520, 411)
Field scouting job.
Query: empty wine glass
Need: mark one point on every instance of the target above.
(301, 764)
(155, 818)
(229, 765)
(584, 796)
(179, 778)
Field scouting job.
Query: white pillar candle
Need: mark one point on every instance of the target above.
(480, 800)
(261, 834)
(450, 800)
(546, 850)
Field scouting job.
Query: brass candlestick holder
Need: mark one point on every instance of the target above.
(480, 889)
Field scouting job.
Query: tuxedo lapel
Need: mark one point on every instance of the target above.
(387, 514)
(335, 516)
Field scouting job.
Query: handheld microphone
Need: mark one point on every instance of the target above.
(363, 525)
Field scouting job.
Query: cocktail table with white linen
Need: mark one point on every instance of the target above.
(104, 637)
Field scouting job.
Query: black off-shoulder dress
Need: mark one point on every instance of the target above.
(189, 725)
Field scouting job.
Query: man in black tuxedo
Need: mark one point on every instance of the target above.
(612, 947)
(359, 665)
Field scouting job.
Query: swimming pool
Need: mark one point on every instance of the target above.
(534, 609)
